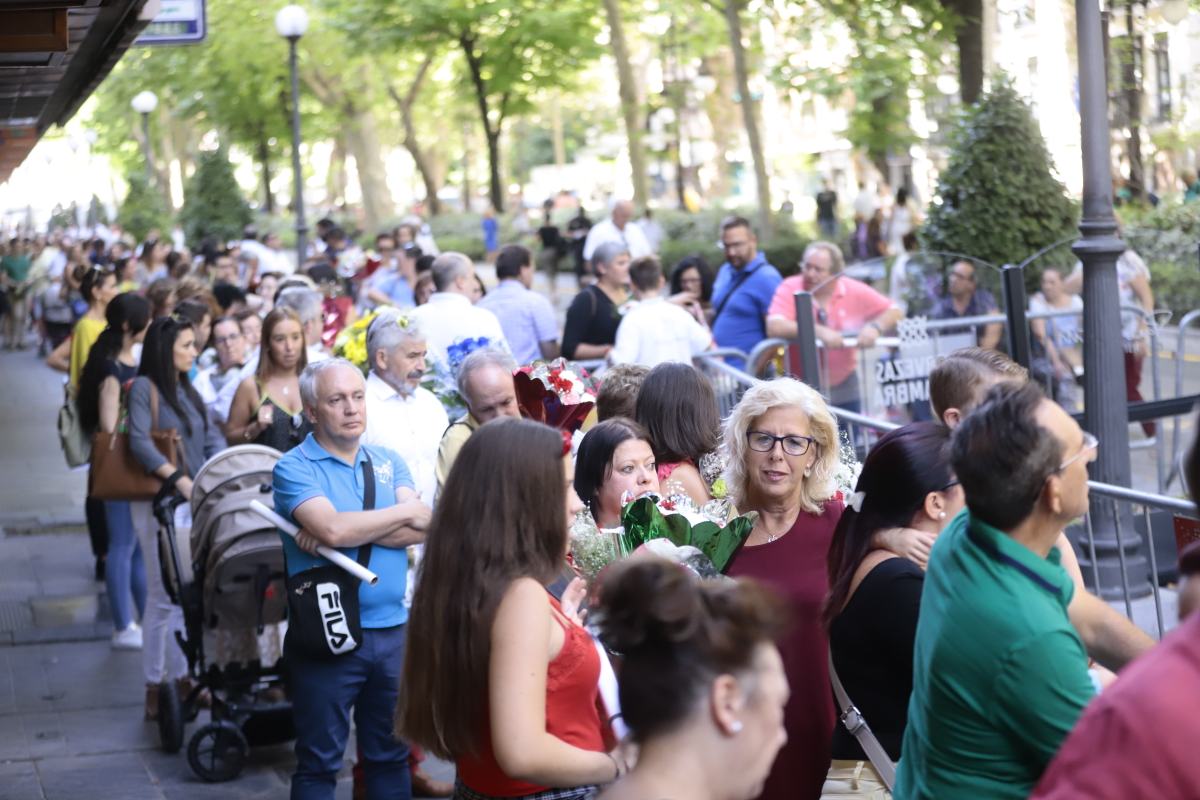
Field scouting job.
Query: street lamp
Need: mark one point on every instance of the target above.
(1105, 406)
(1174, 11)
(144, 103)
(291, 22)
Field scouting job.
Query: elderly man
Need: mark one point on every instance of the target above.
(449, 319)
(351, 496)
(619, 228)
(401, 415)
(999, 674)
(841, 305)
(485, 380)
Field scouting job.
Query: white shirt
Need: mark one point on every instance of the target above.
(412, 426)
(449, 318)
(605, 231)
(656, 331)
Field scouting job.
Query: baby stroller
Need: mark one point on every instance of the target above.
(233, 580)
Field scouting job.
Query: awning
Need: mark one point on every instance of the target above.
(53, 55)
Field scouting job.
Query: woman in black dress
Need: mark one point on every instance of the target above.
(875, 595)
(595, 313)
(267, 409)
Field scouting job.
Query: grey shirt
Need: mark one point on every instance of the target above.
(204, 441)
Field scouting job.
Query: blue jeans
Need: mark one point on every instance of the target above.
(324, 691)
(125, 574)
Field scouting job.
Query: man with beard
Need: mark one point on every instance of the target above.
(401, 415)
(408, 419)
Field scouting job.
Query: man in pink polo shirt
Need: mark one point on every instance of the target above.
(841, 305)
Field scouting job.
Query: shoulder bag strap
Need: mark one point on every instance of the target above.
(368, 469)
(737, 283)
(853, 719)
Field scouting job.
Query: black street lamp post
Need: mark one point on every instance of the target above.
(144, 103)
(291, 22)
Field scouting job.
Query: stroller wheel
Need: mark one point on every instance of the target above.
(218, 752)
(170, 717)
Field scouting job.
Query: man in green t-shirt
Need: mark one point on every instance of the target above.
(14, 271)
(999, 674)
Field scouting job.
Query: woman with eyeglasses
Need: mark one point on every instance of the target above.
(267, 409)
(875, 595)
(781, 443)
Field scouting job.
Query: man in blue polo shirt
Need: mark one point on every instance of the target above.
(999, 674)
(320, 486)
(743, 289)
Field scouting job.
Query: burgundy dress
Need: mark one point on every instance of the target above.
(795, 566)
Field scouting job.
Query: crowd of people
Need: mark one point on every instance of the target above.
(479, 644)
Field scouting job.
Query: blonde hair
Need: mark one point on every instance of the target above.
(819, 485)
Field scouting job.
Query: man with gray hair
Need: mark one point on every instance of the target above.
(842, 306)
(449, 320)
(485, 381)
(401, 414)
(619, 228)
(359, 499)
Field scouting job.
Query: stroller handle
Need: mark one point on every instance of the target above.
(165, 503)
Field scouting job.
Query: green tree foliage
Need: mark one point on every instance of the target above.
(998, 197)
(509, 50)
(144, 209)
(213, 203)
(893, 48)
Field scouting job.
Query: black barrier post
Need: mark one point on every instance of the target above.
(1015, 309)
(806, 340)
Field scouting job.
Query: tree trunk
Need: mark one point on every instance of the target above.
(362, 142)
(466, 168)
(722, 116)
(335, 179)
(264, 161)
(404, 103)
(1131, 77)
(733, 18)
(491, 128)
(969, 40)
(630, 108)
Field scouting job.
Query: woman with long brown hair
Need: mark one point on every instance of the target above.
(267, 408)
(512, 696)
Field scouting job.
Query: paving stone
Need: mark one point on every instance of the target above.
(19, 781)
(114, 775)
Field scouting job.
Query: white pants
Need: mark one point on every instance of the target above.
(161, 657)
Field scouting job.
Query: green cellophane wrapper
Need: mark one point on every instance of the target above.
(643, 520)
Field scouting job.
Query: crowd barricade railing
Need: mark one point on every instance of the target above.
(1178, 447)
(729, 383)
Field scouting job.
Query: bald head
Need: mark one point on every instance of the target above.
(622, 212)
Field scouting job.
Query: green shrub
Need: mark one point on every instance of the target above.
(998, 198)
(1176, 285)
(144, 208)
(470, 246)
(213, 202)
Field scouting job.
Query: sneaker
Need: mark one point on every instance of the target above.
(127, 639)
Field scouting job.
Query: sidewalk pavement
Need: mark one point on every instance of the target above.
(70, 706)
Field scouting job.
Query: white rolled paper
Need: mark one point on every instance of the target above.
(334, 556)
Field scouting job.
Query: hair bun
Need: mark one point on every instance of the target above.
(648, 602)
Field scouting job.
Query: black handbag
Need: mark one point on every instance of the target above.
(323, 615)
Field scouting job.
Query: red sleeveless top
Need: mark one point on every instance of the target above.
(573, 713)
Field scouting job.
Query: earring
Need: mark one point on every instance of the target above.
(941, 515)
(735, 726)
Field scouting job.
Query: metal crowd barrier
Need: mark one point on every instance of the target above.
(1133, 521)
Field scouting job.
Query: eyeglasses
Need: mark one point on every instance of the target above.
(950, 485)
(793, 445)
(1090, 443)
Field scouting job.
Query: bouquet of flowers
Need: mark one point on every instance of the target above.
(704, 539)
(442, 377)
(555, 394)
(845, 477)
(351, 341)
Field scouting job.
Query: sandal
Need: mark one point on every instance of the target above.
(151, 702)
